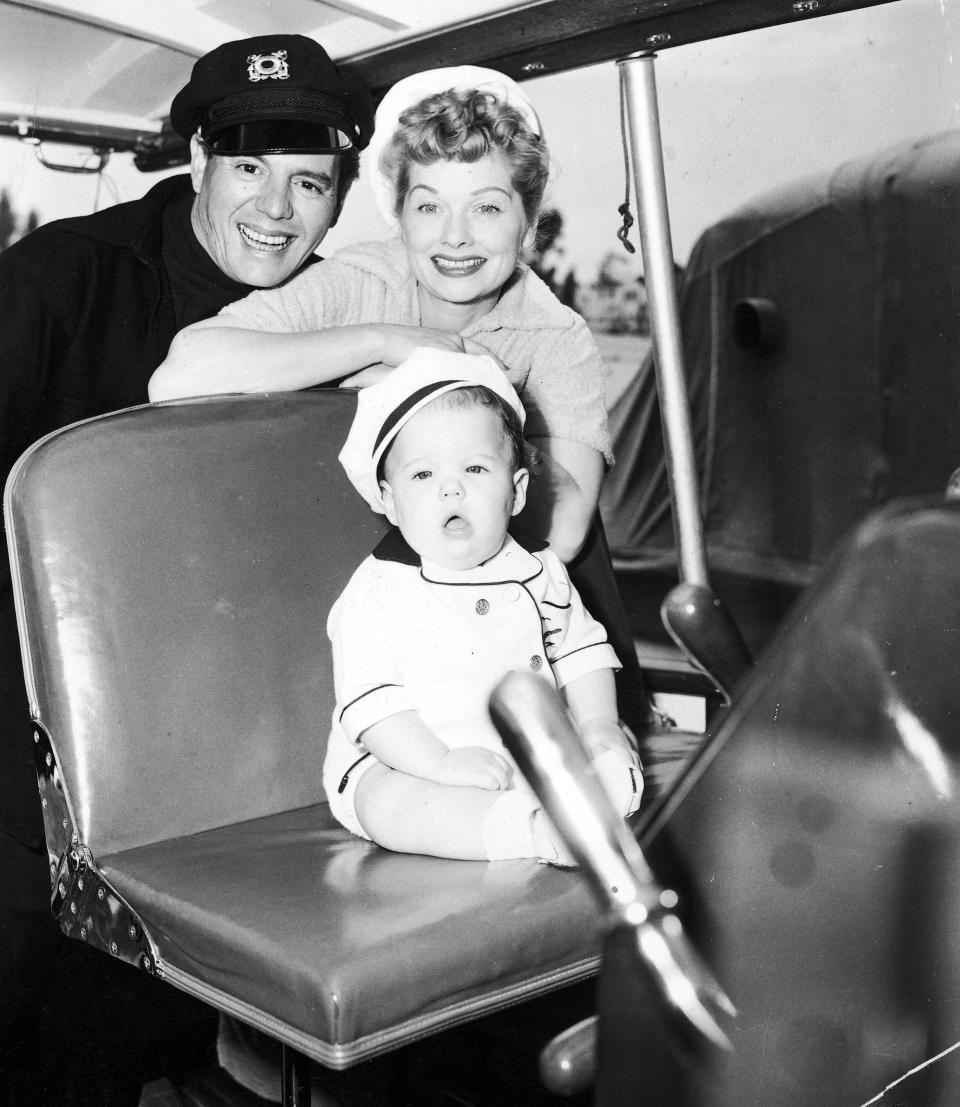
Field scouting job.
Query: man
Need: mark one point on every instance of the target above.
(88, 307)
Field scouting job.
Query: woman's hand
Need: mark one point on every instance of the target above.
(424, 336)
(473, 767)
(397, 342)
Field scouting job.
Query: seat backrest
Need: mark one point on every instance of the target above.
(174, 566)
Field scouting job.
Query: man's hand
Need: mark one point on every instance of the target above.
(473, 767)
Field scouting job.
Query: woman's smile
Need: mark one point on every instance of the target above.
(463, 226)
(457, 267)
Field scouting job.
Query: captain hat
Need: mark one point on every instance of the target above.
(384, 407)
(273, 94)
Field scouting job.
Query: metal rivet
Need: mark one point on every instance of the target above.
(80, 883)
(83, 933)
(36, 736)
(49, 759)
(61, 889)
(661, 38)
(43, 802)
(533, 67)
(53, 868)
(73, 907)
(113, 948)
(536, 662)
(146, 963)
(65, 824)
(100, 893)
(804, 7)
(133, 932)
(481, 607)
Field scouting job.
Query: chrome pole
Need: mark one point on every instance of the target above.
(639, 89)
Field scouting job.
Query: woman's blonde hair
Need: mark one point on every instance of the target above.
(466, 126)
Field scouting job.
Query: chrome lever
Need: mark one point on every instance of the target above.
(543, 741)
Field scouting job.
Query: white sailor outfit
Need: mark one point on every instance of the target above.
(519, 610)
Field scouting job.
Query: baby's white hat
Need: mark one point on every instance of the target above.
(384, 407)
(418, 86)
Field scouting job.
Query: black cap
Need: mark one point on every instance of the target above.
(271, 95)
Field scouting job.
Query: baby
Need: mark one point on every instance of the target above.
(446, 605)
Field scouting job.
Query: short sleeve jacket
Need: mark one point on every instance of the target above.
(410, 636)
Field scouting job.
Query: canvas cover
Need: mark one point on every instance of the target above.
(800, 434)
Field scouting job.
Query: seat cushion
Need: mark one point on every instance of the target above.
(294, 926)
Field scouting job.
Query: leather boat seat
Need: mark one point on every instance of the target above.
(173, 567)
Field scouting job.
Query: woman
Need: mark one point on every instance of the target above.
(459, 167)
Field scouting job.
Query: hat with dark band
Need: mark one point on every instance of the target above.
(386, 407)
(271, 95)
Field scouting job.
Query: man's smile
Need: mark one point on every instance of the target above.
(267, 243)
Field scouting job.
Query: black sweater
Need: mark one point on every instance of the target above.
(86, 315)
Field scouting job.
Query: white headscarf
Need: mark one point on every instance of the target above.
(418, 86)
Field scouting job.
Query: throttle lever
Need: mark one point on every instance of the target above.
(541, 737)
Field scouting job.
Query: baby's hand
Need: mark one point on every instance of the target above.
(474, 767)
(616, 764)
(622, 780)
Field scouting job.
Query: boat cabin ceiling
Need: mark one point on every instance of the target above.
(102, 73)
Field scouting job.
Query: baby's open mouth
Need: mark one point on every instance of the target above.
(455, 523)
(267, 243)
(457, 267)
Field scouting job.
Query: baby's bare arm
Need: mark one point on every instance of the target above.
(592, 700)
(404, 742)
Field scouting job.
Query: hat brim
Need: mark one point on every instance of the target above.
(278, 136)
(273, 107)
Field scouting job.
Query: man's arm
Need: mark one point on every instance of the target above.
(216, 356)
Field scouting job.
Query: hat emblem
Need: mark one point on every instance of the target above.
(261, 67)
